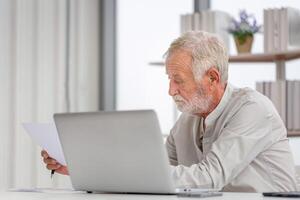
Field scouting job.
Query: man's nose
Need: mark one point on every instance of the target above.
(173, 88)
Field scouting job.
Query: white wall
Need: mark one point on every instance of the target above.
(145, 30)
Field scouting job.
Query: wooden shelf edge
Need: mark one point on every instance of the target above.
(265, 57)
(293, 133)
(256, 57)
(157, 63)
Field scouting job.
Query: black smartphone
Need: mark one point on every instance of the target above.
(281, 194)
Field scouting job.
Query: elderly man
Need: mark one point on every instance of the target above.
(226, 138)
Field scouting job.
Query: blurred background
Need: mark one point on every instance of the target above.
(79, 55)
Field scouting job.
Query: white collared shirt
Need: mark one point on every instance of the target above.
(245, 146)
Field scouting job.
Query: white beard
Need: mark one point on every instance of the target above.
(199, 103)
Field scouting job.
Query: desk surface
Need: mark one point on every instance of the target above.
(60, 195)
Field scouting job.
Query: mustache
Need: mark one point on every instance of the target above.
(178, 98)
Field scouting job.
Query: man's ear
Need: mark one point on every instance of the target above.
(214, 75)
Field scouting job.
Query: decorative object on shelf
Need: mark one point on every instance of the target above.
(285, 96)
(243, 31)
(281, 29)
(212, 21)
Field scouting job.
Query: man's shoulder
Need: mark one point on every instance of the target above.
(247, 94)
(242, 98)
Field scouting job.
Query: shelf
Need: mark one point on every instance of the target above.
(157, 63)
(257, 57)
(265, 57)
(278, 58)
(293, 133)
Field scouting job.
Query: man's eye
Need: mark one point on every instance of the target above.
(179, 81)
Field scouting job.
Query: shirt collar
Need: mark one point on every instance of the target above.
(220, 107)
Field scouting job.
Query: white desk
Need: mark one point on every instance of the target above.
(83, 196)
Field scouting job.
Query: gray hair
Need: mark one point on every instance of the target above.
(207, 51)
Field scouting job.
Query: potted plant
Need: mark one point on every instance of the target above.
(243, 31)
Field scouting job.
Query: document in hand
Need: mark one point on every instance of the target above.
(46, 136)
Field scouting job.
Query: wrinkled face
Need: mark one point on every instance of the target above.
(190, 96)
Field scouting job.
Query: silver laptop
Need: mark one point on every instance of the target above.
(120, 151)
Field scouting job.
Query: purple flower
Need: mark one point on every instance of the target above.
(245, 25)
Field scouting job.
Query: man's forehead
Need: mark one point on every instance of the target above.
(178, 62)
(178, 71)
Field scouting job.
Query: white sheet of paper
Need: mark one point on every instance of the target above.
(46, 136)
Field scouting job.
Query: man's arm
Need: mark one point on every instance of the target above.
(243, 138)
(171, 149)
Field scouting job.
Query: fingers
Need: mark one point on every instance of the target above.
(47, 159)
(58, 169)
(50, 161)
(44, 154)
(62, 170)
(53, 166)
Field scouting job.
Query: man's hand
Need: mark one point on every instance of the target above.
(52, 164)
